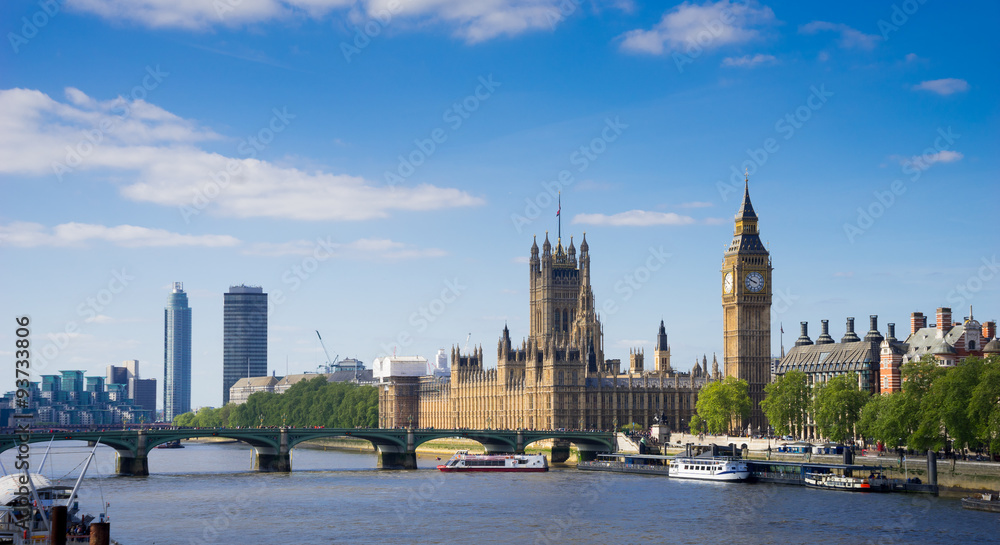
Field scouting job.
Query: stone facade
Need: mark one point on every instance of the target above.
(746, 309)
(557, 377)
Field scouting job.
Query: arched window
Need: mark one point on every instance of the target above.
(557, 315)
(565, 321)
(972, 345)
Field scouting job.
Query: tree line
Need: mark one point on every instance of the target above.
(307, 404)
(937, 407)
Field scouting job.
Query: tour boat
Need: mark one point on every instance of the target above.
(831, 481)
(710, 468)
(463, 461)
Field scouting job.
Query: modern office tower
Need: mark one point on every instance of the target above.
(244, 336)
(176, 354)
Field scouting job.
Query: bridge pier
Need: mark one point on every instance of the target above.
(560, 450)
(134, 463)
(271, 460)
(135, 466)
(588, 453)
(388, 459)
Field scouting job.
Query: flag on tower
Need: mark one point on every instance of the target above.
(559, 210)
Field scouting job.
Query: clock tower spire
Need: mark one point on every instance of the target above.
(746, 309)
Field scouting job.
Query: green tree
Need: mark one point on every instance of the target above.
(837, 407)
(787, 402)
(886, 418)
(984, 406)
(944, 408)
(721, 405)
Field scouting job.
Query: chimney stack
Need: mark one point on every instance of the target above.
(804, 339)
(850, 336)
(917, 321)
(873, 335)
(824, 337)
(989, 330)
(891, 337)
(944, 322)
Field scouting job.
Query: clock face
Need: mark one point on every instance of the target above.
(755, 282)
(727, 284)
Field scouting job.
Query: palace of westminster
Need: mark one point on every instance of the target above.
(558, 377)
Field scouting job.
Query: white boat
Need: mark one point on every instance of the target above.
(710, 468)
(832, 481)
(463, 461)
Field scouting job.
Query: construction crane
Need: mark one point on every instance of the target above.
(329, 363)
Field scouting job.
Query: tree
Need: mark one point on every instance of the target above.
(308, 403)
(787, 402)
(885, 418)
(722, 404)
(837, 407)
(944, 408)
(984, 406)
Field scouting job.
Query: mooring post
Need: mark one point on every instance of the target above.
(932, 469)
(57, 531)
(100, 533)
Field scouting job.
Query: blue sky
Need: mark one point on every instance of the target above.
(380, 168)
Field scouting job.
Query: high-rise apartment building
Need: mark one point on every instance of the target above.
(244, 336)
(176, 354)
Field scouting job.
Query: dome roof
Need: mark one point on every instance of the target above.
(942, 347)
(992, 347)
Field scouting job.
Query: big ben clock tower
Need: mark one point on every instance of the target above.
(746, 308)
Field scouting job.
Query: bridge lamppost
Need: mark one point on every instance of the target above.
(261, 422)
(284, 417)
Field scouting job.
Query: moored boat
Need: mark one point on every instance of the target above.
(831, 481)
(176, 443)
(463, 461)
(710, 468)
(983, 502)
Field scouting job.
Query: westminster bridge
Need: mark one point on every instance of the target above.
(396, 448)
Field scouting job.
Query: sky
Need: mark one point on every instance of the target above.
(380, 167)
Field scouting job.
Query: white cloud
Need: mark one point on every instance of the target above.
(850, 38)
(702, 26)
(39, 135)
(747, 61)
(634, 218)
(30, 235)
(945, 86)
(473, 21)
(925, 161)
(365, 248)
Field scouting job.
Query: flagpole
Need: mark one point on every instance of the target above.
(559, 215)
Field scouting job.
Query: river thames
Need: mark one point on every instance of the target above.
(205, 493)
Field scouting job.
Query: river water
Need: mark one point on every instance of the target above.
(206, 494)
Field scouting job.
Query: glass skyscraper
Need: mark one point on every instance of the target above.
(244, 336)
(176, 354)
